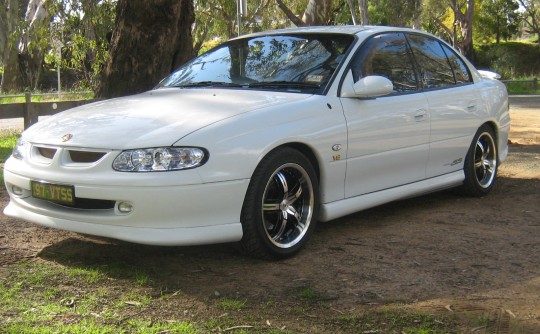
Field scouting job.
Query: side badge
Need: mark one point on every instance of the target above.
(66, 137)
(336, 148)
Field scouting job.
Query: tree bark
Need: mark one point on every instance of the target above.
(466, 24)
(290, 15)
(532, 16)
(317, 12)
(150, 39)
(11, 79)
(353, 12)
(31, 53)
(364, 17)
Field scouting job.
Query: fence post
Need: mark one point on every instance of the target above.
(535, 83)
(30, 112)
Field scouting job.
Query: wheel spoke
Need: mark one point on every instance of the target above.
(282, 226)
(269, 206)
(283, 182)
(292, 211)
(295, 194)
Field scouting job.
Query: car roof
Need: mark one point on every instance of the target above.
(345, 29)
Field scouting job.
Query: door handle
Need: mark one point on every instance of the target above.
(420, 115)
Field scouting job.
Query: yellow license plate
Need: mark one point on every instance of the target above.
(53, 192)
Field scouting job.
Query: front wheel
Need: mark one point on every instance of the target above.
(281, 205)
(481, 163)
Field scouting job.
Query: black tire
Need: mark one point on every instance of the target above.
(481, 163)
(281, 206)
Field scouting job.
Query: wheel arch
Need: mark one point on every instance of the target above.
(307, 151)
(495, 128)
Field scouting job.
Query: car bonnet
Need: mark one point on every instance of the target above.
(155, 118)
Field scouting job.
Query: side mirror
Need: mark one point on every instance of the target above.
(368, 87)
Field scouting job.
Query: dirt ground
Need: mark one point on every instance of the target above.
(441, 253)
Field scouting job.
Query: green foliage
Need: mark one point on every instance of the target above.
(394, 13)
(510, 59)
(7, 142)
(80, 46)
(499, 19)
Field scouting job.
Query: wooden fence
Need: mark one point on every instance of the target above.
(30, 111)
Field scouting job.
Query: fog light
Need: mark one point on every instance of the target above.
(17, 190)
(125, 207)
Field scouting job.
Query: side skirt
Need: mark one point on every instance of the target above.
(347, 206)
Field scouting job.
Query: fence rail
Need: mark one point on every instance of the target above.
(533, 82)
(30, 111)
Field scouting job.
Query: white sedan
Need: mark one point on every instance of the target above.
(261, 137)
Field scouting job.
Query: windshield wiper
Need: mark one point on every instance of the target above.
(209, 84)
(286, 84)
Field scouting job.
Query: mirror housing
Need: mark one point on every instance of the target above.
(369, 87)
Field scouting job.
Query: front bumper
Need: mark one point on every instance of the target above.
(162, 215)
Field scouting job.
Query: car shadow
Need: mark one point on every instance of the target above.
(431, 247)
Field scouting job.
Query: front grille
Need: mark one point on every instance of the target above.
(47, 152)
(85, 156)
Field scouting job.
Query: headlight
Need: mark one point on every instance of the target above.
(20, 149)
(159, 159)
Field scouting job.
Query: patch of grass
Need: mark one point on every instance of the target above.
(141, 278)
(231, 304)
(309, 294)
(394, 321)
(7, 142)
(88, 275)
(46, 97)
(49, 298)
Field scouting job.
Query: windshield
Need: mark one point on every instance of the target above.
(300, 63)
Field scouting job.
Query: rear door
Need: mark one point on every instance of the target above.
(453, 103)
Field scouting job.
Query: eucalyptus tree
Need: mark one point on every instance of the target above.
(150, 39)
(452, 19)
(497, 18)
(532, 16)
(11, 12)
(81, 31)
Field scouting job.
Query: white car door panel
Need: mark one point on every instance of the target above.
(453, 124)
(388, 140)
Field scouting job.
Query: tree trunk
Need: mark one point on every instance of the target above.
(363, 4)
(353, 12)
(11, 79)
(150, 39)
(467, 30)
(317, 12)
(31, 52)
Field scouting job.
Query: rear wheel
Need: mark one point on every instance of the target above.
(281, 205)
(481, 163)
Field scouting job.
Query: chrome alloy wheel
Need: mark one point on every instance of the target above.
(485, 160)
(287, 205)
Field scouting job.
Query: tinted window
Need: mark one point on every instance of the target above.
(461, 73)
(435, 70)
(387, 55)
